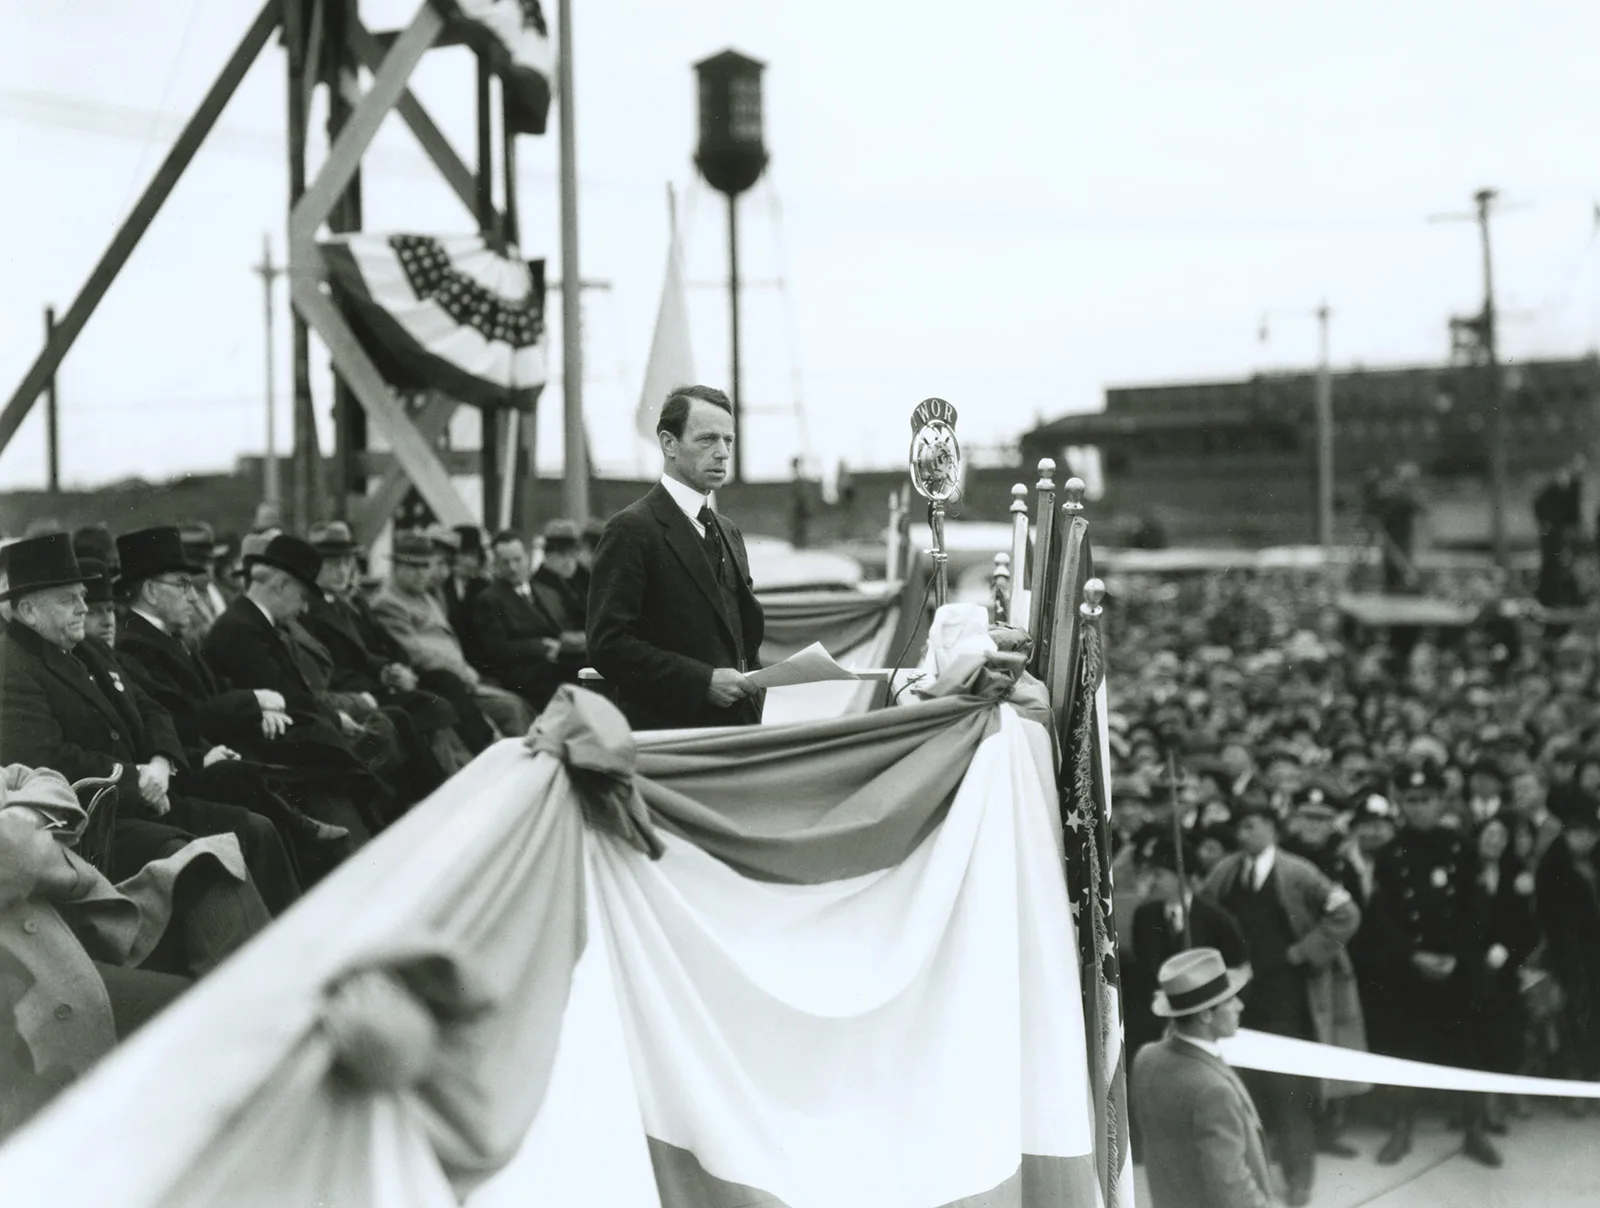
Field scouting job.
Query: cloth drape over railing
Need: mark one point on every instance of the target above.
(860, 629)
(824, 965)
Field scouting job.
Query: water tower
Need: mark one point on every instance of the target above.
(732, 155)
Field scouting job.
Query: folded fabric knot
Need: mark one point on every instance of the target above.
(592, 739)
(387, 1020)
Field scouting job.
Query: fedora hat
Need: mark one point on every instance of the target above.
(560, 534)
(146, 553)
(471, 538)
(1194, 980)
(412, 549)
(200, 540)
(288, 553)
(40, 563)
(332, 539)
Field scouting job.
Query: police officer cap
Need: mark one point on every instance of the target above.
(1316, 801)
(1416, 775)
(1373, 807)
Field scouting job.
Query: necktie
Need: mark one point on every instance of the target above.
(712, 541)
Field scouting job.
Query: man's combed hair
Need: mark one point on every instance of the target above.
(675, 411)
(504, 536)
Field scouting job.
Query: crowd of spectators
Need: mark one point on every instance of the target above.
(1444, 781)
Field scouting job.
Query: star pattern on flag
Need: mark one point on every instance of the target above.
(432, 274)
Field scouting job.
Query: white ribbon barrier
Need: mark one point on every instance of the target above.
(1251, 1050)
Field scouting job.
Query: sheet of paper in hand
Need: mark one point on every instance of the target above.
(813, 665)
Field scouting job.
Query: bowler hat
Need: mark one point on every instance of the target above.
(97, 580)
(332, 539)
(1194, 980)
(146, 553)
(471, 537)
(40, 563)
(290, 554)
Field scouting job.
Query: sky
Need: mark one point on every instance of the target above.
(1010, 206)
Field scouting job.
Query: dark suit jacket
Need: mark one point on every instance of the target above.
(657, 628)
(54, 715)
(511, 635)
(355, 667)
(459, 608)
(1200, 1132)
(246, 648)
(204, 711)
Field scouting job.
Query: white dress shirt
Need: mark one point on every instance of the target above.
(154, 620)
(689, 499)
(1261, 867)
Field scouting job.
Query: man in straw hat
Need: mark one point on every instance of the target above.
(1202, 1139)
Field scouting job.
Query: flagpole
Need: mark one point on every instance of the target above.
(575, 477)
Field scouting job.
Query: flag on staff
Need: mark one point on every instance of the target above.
(515, 38)
(444, 313)
(1086, 814)
(671, 362)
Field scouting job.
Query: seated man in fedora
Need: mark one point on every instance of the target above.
(65, 706)
(353, 668)
(408, 609)
(1202, 1139)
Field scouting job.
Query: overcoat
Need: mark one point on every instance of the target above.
(658, 625)
(1322, 916)
(1201, 1136)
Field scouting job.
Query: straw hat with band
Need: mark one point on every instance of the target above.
(333, 539)
(412, 549)
(1194, 981)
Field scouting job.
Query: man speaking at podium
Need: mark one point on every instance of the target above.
(674, 623)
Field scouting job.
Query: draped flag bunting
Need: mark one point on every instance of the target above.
(1086, 814)
(445, 313)
(515, 37)
(819, 966)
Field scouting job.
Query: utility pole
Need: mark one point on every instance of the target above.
(1497, 419)
(269, 274)
(1323, 410)
(575, 461)
(1483, 328)
(1324, 433)
(52, 414)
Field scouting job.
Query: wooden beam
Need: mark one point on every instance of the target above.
(344, 157)
(138, 222)
(437, 147)
(416, 455)
(432, 422)
(386, 38)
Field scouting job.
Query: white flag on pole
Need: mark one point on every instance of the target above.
(671, 362)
